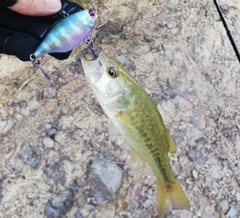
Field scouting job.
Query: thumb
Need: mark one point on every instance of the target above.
(37, 7)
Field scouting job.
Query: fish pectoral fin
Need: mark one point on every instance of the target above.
(170, 197)
(172, 148)
(136, 161)
(113, 132)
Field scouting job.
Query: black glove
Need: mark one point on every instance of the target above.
(20, 35)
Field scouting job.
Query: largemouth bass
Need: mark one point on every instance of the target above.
(136, 117)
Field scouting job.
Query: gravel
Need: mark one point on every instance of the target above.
(191, 72)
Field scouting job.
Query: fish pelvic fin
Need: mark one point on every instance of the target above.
(113, 132)
(136, 161)
(170, 197)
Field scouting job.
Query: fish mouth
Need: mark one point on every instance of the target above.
(89, 59)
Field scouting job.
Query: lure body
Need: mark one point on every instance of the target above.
(67, 33)
(136, 117)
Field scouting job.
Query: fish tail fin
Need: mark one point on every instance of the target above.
(170, 197)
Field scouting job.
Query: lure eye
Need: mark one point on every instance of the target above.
(112, 72)
(91, 12)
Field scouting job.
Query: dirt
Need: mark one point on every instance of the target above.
(181, 55)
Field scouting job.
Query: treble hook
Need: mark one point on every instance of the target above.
(91, 47)
(36, 63)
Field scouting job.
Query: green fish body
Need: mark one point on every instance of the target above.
(136, 117)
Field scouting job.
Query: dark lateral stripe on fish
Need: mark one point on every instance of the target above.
(155, 154)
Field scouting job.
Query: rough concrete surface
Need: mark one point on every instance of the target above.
(49, 138)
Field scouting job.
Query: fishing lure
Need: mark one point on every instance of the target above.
(66, 35)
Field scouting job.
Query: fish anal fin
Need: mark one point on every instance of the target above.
(172, 148)
(170, 197)
(112, 129)
(136, 161)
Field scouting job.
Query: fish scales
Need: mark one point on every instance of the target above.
(137, 118)
(140, 113)
(67, 33)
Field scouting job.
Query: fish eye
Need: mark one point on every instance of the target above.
(112, 72)
(91, 12)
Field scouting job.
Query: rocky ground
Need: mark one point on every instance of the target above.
(54, 143)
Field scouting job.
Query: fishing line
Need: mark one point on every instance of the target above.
(228, 31)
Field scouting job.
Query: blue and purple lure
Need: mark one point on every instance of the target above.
(67, 33)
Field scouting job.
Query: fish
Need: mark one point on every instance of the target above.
(133, 113)
(66, 34)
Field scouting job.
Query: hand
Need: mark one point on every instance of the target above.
(34, 7)
(20, 35)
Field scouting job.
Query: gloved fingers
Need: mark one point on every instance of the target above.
(35, 26)
(19, 44)
(7, 3)
(22, 45)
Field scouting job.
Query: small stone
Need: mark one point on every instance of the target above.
(48, 142)
(81, 213)
(147, 203)
(114, 27)
(195, 174)
(223, 206)
(148, 38)
(52, 92)
(159, 26)
(16, 163)
(111, 30)
(90, 207)
(54, 170)
(48, 126)
(32, 158)
(106, 178)
(23, 103)
(121, 59)
(233, 212)
(61, 80)
(132, 67)
(224, 8)
(171, 25)
(173, 95)
(193, 155)
(78, 214)
(14, 104)
(238, 196)
(52, 133)
(59, 205)
(189, 181)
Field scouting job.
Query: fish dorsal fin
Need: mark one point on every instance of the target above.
(136, 161)
(113, 132)
(172, 148)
